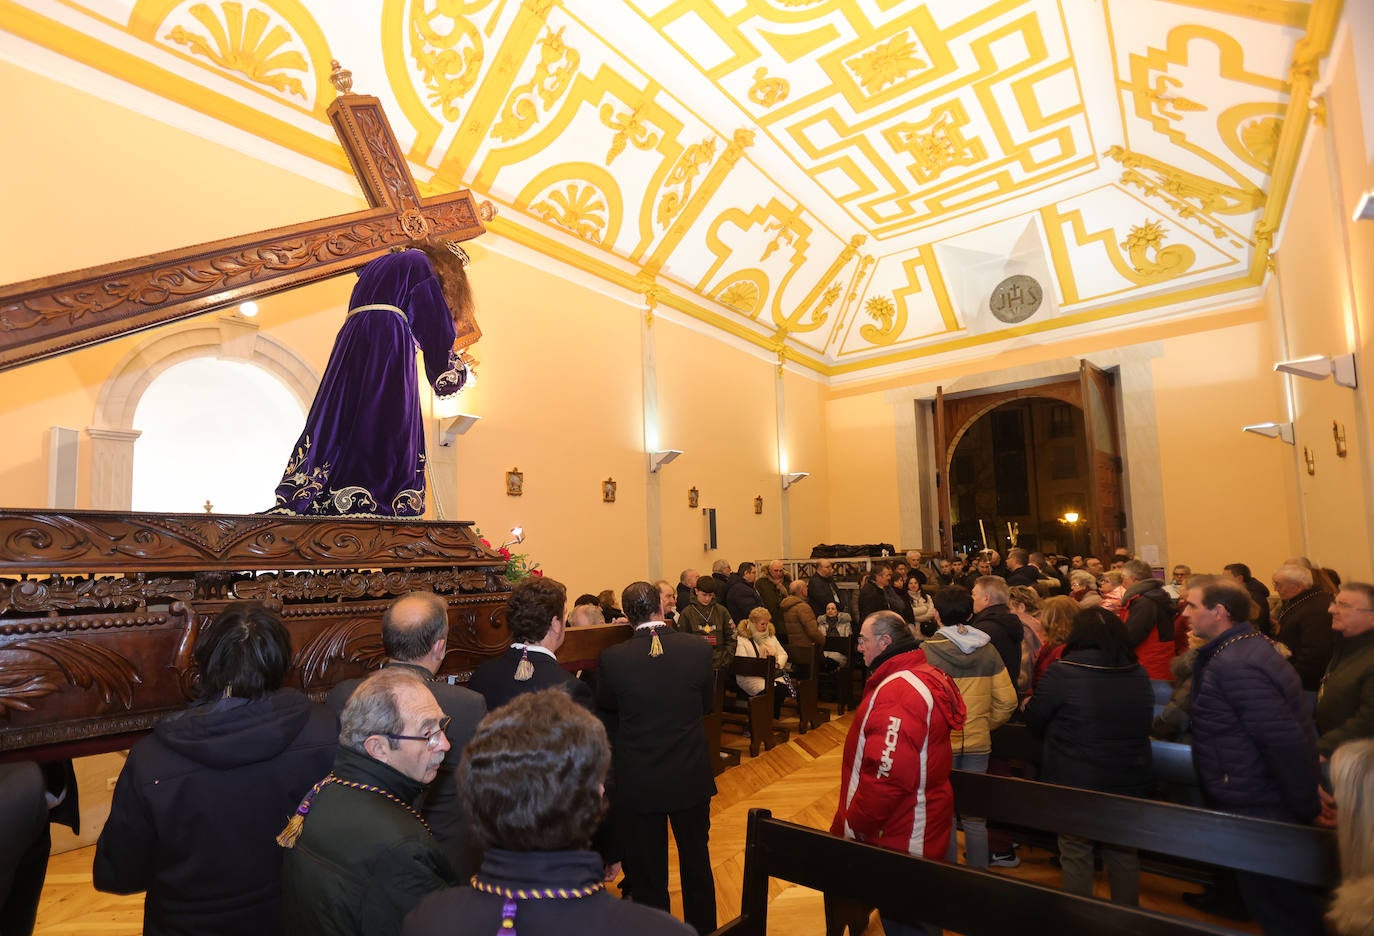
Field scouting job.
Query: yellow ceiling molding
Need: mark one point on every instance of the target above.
(558, 63)
(1302, 73)
(1251, 131)
(792, 47)
(766, 91)
(581, 198)
(937, 143)
(745, 290)
(446, 47)
(484, 109)
(1127, 307)
(822, 296)
(1290, 13)
(1161, 101)
(696, 203)
(79, 46)
(250, 45)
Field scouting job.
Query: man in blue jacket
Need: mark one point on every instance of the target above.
(1254, 746)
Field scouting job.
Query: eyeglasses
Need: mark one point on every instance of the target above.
(431, 740)
(1349, 607)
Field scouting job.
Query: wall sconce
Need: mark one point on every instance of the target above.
(1309, 460)
(660, 458)
(248, 309)
(792, 477)
(1272, 430)
(1070, 517)
(1338, 431)
(693, 498)
(517, 536)
(1364, 209)
(1340, 368)
(758, 504)
(451, 429)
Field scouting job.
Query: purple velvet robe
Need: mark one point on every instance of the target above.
(362, 452)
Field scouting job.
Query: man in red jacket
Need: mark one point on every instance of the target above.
(894, 785)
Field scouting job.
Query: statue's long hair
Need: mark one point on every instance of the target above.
(451, 268)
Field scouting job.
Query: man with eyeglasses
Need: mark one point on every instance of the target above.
(895, 790)
(1345, 704)
(415, 638)
(359, 856)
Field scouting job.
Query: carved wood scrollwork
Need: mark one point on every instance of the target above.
(37, 667)
(37, 596)
(355, 640)
(337, 586)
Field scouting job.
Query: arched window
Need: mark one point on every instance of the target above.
(212, 430)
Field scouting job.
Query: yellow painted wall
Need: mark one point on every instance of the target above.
(862, 464)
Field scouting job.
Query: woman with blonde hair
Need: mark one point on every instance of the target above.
(755, 637)
(1113, 589)
(1056, 620)
(1352, 782)
(1024, 602)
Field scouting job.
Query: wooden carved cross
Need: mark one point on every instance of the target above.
(54, 314)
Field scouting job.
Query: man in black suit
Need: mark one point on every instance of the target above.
(415, 637)
(872, 598)
(653, 691)
(534, 615)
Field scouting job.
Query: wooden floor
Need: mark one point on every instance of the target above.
(798, 781)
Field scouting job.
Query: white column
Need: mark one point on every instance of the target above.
(112, 468)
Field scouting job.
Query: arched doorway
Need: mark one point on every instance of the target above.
(1014, 441)
(1017, 472)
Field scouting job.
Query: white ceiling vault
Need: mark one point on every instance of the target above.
(849, 184)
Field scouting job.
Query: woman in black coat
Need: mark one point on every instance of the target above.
(1094, 707)
(199, 803)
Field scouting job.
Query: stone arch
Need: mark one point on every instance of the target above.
(228, 337)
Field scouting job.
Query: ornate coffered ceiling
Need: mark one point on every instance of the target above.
(843, 182)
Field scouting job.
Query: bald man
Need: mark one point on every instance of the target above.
(415, 637)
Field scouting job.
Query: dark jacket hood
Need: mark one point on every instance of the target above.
(227, 733)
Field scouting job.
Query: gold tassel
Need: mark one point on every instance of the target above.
(524, 670)
(655, 646)
(288, 836)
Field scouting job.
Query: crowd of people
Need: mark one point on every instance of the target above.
(418, 806)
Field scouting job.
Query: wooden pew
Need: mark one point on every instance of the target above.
(1306, 854)
(758, 710)
(721, 758)
(844, 676)
(914, 889)
(806, 677)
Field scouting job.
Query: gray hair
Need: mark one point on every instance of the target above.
(1295, 575)
(995, 587)
(722, 566)
(1082, 578)
(374, 708)
(1138, 569)
(799, 587)
(889, 623)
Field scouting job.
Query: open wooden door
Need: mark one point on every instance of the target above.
(943, 456)
(1106, 506)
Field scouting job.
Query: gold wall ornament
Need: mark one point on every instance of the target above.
(1167, 261)
(631, 127)
(341, 78)
(891, 320)
(251, 45)
(693, 497)
(558, 63)
(1166, 104)
(887, 63)
(937, 143)
(1338, 432)
(785, 226)
(1310, 460)
(742, 294)
(515, 482)
(819, 300)
(447, 49)
(758, 504)
(1191, 197)
(678, 185)
(487, 212)
(579, 209)
(608, 491)
(1317, 106)
(767, 91)
(1259, 141)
